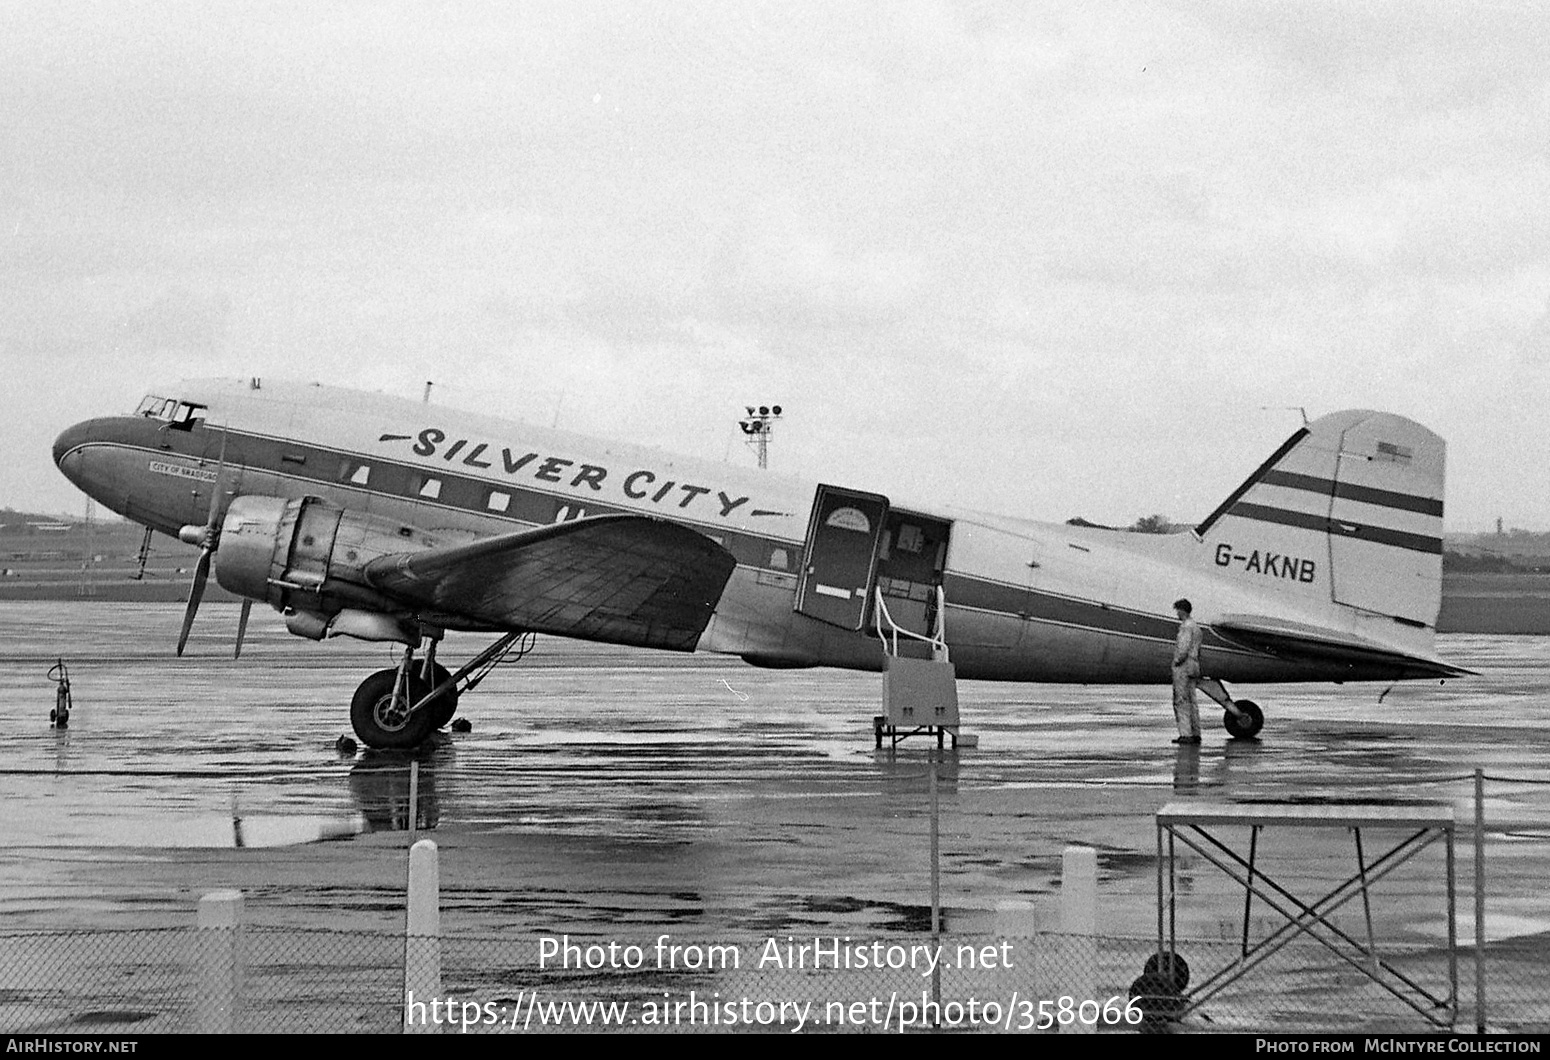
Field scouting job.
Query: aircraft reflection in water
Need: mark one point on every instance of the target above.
(380, 785)
(360, 515)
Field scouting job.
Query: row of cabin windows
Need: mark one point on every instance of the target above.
(428, 487)
(425, 487)
(496, 501)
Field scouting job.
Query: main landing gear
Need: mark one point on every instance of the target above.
(398, 708)
(1242, 717)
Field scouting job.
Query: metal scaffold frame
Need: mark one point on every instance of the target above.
(1421, 827)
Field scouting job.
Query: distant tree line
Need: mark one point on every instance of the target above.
(1489, 563)
(1452, 562)
(1147, 524)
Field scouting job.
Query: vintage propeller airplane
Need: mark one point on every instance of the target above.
(373, 517)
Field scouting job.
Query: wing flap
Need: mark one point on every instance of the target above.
(1318, 644)
(624, 579)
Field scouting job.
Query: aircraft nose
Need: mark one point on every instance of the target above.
(67, 449)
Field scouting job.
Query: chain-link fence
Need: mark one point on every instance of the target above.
(316, 981)
(984, 973)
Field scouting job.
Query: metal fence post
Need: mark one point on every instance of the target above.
(219, 921)
(936, 887)
(422, 942)
(414, 800)
(1079, 921)
(1479, 900)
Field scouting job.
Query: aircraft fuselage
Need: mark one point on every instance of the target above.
(1025, 601)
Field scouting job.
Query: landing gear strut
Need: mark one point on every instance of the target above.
(1242, 717)
(398, 708)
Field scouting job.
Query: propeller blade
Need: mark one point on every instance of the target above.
(242, 624)
(210, 533)
(195, 592)
(215, 489)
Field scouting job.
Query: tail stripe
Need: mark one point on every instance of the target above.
(1249, 483)
(1339, 528)
(1365, 494)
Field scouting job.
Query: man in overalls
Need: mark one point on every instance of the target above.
(1186, 673)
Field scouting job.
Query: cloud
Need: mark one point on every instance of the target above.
(1044, 234)
(178, 321)
(1535, 350)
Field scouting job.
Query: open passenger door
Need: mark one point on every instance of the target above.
(840, 563)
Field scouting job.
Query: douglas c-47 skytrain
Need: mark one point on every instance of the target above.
(367, 516)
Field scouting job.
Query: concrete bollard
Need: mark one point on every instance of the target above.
(1079, 923)
(219, 922)
(422, 941)
(1016, 926)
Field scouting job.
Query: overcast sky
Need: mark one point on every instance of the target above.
(1046, 259)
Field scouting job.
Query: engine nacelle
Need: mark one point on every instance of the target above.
(307, 555)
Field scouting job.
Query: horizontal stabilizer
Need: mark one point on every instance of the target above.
(623, 579)
(1301, 642)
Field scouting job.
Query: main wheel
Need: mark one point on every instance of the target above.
(382, 719)
(1248, 727)
(445, 705)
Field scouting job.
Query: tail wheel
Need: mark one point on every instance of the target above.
(1248, 725)
(384, 720)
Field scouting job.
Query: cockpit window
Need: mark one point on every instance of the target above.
(185, 414)
(180, 415)
(156, 408)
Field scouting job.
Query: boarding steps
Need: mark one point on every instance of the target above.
(920, 695)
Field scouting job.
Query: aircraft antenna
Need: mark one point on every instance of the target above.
(757, 426)
(1287, 408)
(426, 399)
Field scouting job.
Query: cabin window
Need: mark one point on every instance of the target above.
(498, 501)
(358, 474)
(849, 519)
(429, 489)
(779, 560)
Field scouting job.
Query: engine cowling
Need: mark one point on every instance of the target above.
(307, 555)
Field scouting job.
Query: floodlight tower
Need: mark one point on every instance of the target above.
(757, 427)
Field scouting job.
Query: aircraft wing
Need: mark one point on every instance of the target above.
(625, 579)
(1317, 644)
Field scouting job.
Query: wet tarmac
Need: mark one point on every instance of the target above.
(605, 789)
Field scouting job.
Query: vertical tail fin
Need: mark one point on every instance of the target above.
(1348, 511)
